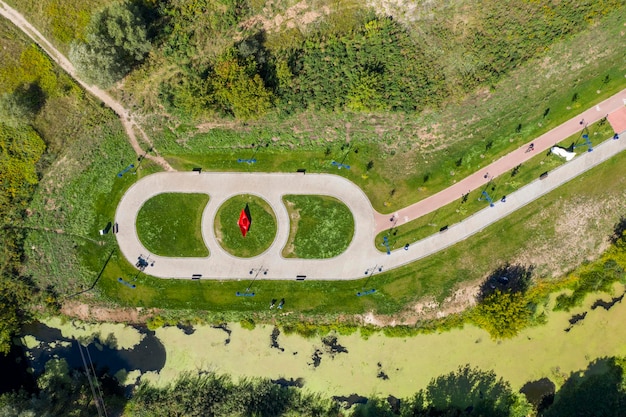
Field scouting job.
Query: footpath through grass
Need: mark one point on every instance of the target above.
(539, 234)
(321, 227)
(414, 156)
(497, 188)
(262, 229)
(171, 225)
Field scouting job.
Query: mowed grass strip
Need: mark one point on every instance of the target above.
(321, 227)
(497, 188)
(170, 224)
(262, 228)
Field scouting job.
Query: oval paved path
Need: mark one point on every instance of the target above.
(271, 187)
(360, 256)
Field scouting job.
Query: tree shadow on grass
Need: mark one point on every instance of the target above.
(619, 229)
(507, 278)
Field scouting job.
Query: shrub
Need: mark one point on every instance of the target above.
(503, 315)
(247, 323)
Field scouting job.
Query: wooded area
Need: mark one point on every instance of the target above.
(466, 391)
(369, 63)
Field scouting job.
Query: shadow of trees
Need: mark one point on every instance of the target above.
(619, 230)
(507, 278)
(597, 391)
(539, 393)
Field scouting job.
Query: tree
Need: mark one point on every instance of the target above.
(503, 315)
(469, 392)
(116, 41)
(598, 391)
(14, 299)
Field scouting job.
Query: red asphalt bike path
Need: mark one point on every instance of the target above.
(500, 166)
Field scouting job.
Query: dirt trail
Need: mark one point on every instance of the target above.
(127, 119)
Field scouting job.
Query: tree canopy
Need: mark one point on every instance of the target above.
(116, 40)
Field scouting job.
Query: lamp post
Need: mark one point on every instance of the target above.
(369, 272)
(256, 272)
(340, 165)
(141, 158)
(386, 245)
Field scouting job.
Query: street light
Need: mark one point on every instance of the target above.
(141, 158)
(247, 292)
(369, 272)
(386, 245)
(340, 165)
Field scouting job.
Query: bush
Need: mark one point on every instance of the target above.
(600, 277)
(368, 330)
(247, 323)
(503, 315)
(155, 322)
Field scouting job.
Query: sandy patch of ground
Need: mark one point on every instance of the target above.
(82, 311)
(404, 11)
(294, 218)
(208, 126)
(428, 308)
(297, 16)
(579, 235)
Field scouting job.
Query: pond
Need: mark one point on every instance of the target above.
(125, 352)
(341, 365)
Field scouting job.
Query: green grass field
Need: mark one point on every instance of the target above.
(171, 225)
(501, 186)
(592, 203)
(415, 156)
(262, 228)
(321, 227)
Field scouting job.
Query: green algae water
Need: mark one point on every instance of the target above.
(381, 365)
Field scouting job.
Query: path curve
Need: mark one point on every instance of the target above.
(501, 166)
(361, 255)
(361, 252)
(271, 187)
(127, 119)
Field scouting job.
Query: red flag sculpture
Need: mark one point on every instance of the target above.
(244, 221)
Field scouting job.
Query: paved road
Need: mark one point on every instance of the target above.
(360, 256)
(503, 165)
(271, 187)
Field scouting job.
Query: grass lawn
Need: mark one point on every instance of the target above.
(170, 224)
(585, 210)
(321, 227)
(415, 155)
(262, 228)
(501, 186)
